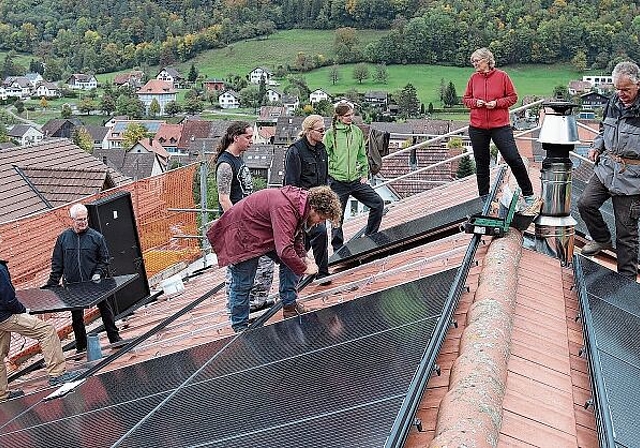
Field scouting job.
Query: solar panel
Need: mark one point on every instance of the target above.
(420, 230)
(72, 296)
(335, 377)
(611, 322)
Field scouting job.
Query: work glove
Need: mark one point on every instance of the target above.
(95, 278)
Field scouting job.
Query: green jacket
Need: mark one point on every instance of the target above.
(346, 152)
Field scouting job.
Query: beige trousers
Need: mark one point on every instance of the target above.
(34, 328)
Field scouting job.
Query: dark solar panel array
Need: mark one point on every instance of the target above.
(336, 377)
(416, 230)
(610, 306)
(72, 296)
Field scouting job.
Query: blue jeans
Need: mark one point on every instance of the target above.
(626, 212)
(503, 139)
(288, 285)
(363, 193)
(242, 276)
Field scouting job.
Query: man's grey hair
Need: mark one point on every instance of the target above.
(76, 209)
(628, 69)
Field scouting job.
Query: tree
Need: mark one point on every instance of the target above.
(107, 104)
(579, 61)
(193, 75)
(561, 92)
(250, 96)
(408, 102)
(324, 108)
(132, 135)
(193, 105)
(465, 168)
(172, 108)
(450, 96)
(334, 74)
(430, 108)
(86, 105)
(82, 138)
(360, 72)
(381, 75)
(19, 105)
(66, 111)
(44, 104)
(154, 108)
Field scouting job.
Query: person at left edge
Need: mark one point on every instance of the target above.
(81, 255)
(271, 221)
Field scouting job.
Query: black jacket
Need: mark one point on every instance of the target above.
(77, 256)
(9, 304)
(306, 166)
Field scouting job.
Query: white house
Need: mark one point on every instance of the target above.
(170, 75)
(161, 91)
(319, 95)
(80, 81)
(258, 73)
(47, 90)
(273, 95)
(25, 134)
(3, 94)
(598, 80)
(34, 78)
(229, 99)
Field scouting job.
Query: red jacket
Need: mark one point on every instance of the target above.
(269, 220)
(494, 85)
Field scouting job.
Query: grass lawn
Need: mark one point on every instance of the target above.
(529, 79)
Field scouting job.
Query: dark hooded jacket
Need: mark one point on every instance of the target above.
(9, 304)
(267, 221)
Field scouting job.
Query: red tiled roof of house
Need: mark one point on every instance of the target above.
(157, 87)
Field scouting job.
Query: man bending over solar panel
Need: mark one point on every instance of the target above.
(14, 318)
(270, 222)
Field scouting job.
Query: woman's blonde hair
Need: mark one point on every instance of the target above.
(309, 124)
(484, 53)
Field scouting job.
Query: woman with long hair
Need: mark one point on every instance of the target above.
(349, 170)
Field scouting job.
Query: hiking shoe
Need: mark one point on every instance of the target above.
(13, 394)
(319, 280)
(80, 350)
(295, 309)
(594, 247)
(66, 377)
(529, 200)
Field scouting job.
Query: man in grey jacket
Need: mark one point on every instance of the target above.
(616, 151)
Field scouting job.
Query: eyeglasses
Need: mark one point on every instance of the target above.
(476, 61)
(80, 219)
(320, 131)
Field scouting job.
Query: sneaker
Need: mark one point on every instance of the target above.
(13, 394)
(80, 350)
(66, 377)
(295, 309)
(594, 247)
(529, 200)
(117, 339)
(319, 278)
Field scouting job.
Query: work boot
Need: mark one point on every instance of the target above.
(13, 394)
(66, 377)
(594, 247)
(295, 309)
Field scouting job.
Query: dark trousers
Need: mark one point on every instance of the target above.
(108, 319)
(626, 211)
(363, 193)
(503, 139)
(318, 240)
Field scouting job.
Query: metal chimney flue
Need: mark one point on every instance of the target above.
(555, 227)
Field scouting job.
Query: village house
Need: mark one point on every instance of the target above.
(172, 76)
(229, 99)
(80, 81)
(161, 91)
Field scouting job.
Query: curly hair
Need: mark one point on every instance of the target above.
(325, 202)
(235, 128)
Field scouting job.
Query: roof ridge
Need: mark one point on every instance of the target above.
(470, 414)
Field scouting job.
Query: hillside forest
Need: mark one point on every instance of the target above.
(94, 36)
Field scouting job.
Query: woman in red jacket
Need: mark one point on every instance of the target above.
(489, 95)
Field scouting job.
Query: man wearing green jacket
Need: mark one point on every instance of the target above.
(349, 170)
